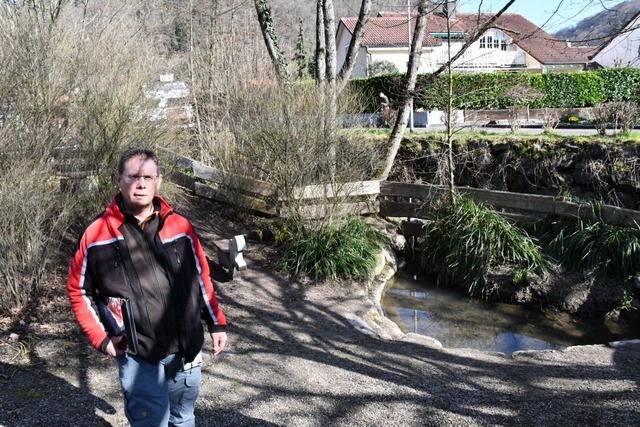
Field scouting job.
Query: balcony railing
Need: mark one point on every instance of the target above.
(477, 59)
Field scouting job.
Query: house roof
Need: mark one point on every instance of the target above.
(390, 29)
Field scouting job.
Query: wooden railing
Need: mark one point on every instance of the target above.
(388, 199)
(410, 200)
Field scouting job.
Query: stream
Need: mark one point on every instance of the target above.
(458, 321)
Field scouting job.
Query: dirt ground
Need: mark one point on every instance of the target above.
(301, 355)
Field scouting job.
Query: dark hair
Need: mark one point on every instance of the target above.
(145, 153)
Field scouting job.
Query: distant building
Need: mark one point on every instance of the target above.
(623, 49)
(511, 43)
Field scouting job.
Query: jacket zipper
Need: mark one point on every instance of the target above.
(117, 249)
(175, 251)
(124, 272)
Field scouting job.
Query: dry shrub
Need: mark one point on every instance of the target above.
(626, 115)
(247, 126)
(291, 142)
(601, 115)
(550, 119)
(33, 217)
(71, 100)
(622, 114)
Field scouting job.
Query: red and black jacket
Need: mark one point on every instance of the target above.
(102, 265)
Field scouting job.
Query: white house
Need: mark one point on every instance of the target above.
(512, 43)
(172, 100)
(623, 50)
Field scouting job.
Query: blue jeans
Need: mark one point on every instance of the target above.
(158, 394)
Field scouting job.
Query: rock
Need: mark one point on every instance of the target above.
(360, 324)
(627, 345)
(422, 340)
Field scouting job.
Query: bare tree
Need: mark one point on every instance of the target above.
(412, 70)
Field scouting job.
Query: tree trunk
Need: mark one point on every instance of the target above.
(194, 83)
(321, 47)
(330, 93)
(330, 41)
(212, 51)
(450, 116)
(263, 8)
(410, 84)
(354, 45)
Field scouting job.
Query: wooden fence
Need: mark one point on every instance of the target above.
(388, 199)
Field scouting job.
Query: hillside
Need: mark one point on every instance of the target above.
(597, 28)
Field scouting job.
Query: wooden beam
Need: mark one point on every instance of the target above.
(507, 200)
(233, 198)
(202, 171)
(329, 191)
(182, 179)
(320, 211)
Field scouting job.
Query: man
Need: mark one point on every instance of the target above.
(140, 249)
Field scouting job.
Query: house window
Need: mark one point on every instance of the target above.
(492, 42)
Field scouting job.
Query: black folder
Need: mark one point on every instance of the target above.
(117, 316)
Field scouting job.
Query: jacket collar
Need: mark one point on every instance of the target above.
(115, 210)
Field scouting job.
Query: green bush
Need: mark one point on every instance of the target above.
(346, 250)
(379, 68)
(487, 90)
(620, 84)
(465, 240)
(371, 87)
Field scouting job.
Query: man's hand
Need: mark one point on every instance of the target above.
(116, 346)
(219, 341)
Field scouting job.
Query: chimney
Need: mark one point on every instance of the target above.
(448, 8)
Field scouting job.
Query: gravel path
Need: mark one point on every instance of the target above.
(308, 356)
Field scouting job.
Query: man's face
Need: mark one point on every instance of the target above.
(139, 184)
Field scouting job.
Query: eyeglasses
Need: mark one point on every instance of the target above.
(148, 179)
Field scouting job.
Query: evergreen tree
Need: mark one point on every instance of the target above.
(301, 58)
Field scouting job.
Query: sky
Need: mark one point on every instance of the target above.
(551, 15)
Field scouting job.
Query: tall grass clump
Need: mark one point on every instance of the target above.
(592, 247)
(465, 240)
(345, 249)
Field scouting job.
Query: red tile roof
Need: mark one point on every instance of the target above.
(390, 29)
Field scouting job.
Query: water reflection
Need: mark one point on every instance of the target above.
(461, 322)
